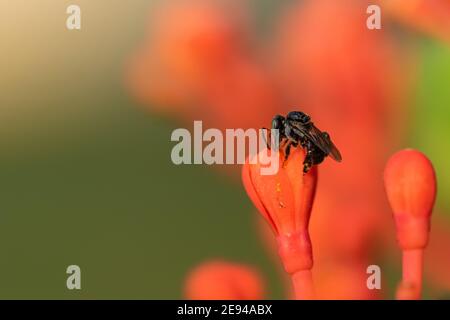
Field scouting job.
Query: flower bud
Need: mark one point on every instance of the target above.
(285, 200)
(410, 184)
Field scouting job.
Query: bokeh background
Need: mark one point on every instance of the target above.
(86, 118)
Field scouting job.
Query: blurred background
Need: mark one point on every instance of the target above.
(86, 118)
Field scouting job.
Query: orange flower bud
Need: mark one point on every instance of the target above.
(410, 184)
(285, 200)
(220, 280)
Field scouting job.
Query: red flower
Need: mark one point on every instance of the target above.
(220, 280)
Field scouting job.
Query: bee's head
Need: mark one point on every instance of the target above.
(278, 122)
(299, 116)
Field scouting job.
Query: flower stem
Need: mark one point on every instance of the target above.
(303, 285)
(412, 274)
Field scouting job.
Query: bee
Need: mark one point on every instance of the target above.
(297, 129)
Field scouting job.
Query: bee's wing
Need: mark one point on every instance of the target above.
(334, 153)
(325, 144)
(318, 138)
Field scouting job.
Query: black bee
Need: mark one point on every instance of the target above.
(297, 129)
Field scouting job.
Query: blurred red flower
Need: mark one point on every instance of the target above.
(221, 280)
(187, 41)
(198, 63)
(429, 16)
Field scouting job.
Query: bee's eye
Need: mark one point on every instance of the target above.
(304, 117)
(299, 116)
(276, 124)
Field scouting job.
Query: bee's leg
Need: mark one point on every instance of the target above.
(287, 151)
(309, 158)
(283, 144)
(308, 162)
(303, 143)
(281, 139)
(269, 136)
